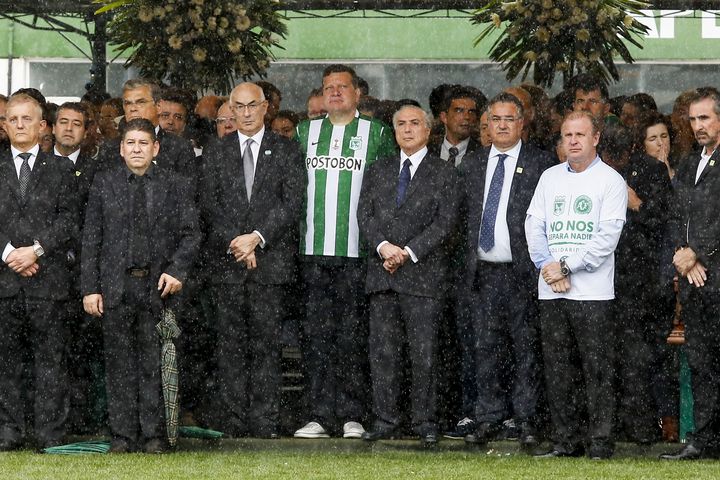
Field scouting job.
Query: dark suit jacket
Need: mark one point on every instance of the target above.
(274, 208)
(695, 215)
(473, 145)
(49, 215)
(424, 222)
(174, 233)
(176, 154)
(530, 165)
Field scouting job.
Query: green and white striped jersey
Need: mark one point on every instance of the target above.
(336, 158)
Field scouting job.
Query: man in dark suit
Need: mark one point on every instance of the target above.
(697, 239)
(140, 100)
(38, 221)
(500, 278)
(407, 220)
(85, 344)
(140, 239)
(459, 116)
(251, 196)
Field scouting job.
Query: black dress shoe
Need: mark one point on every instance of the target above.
(527, 437)
(689, 452)
(484, 433)
(155, 445)
(600, 451)
(378, 434)
(464, 427)
(559, 452)
(9, 445)
(429, 440)
(118, 445)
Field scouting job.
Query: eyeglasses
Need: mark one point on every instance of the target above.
(251, 107)
(141, 102)
(224, 120)
(508, 120)
(178, 117)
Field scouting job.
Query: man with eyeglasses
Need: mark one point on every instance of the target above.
(225, 121)
(338, 148)
(140, 100)
(251, 200)
(4, 141)
(591, 95)
(499, 278)
(173, 110)
(459, 115)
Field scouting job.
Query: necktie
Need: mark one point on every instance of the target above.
(24, 174)
(140, 236)
(248, 167)
(403, 181)
(487, 228)
(453, 155)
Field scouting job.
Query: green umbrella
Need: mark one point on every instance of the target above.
(168, 330)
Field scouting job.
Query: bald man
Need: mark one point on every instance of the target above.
(251, 197)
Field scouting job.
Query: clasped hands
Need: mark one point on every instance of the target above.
(394, 257)
(243, 249)
(23, 261)
(687, 265)
(552, 274)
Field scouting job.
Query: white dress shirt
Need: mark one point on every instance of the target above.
(73, 156)
(462, 148)
(18, 163)
(500, 252)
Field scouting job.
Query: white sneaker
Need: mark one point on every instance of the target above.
(353, 430)
(312, 430)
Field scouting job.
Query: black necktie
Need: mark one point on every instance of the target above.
(140, 236)
(453, 155)
(403, 182)
(24, 173)
(487, 228)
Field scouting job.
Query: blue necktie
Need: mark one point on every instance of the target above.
(403, 181)
(487, 228)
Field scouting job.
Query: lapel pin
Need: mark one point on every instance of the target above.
(634, 174)
(268, 152)
(712, 163)
(78, 173)
(519, 170)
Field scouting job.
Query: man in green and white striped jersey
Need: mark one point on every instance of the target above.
(338, 148)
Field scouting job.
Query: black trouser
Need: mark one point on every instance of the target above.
(36, 325)
(399, 322)
(248, 355)
(641, 327)
(701, 314)
(504, 315)
(132, 365)
(577, 344)
(335, 342)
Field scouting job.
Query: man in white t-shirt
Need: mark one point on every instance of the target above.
(573, 226)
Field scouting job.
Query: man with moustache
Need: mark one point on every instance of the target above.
(696, 235)
(38, 222)
(408, 220)
(140, 239)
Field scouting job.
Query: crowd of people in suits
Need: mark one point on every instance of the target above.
(498, 268)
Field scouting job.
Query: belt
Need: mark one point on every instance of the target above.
(138, 272)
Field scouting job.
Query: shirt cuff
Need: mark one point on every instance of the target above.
(8, 249)
(379, 247)
(411, 253)
(575, 263)
(262, 239)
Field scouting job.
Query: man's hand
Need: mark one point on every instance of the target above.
(169, 285)
(634, 201)
(561, 286)
(684, 259)
(394, 256)
(243, 245)
(21, 258)
(250, 261)
(93, 304)
(697, 275)
(552, 273)
(30, 271)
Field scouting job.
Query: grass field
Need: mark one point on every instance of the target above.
(338, 459)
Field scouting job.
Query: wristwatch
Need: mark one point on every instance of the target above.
(564, 268)
(37, 248)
